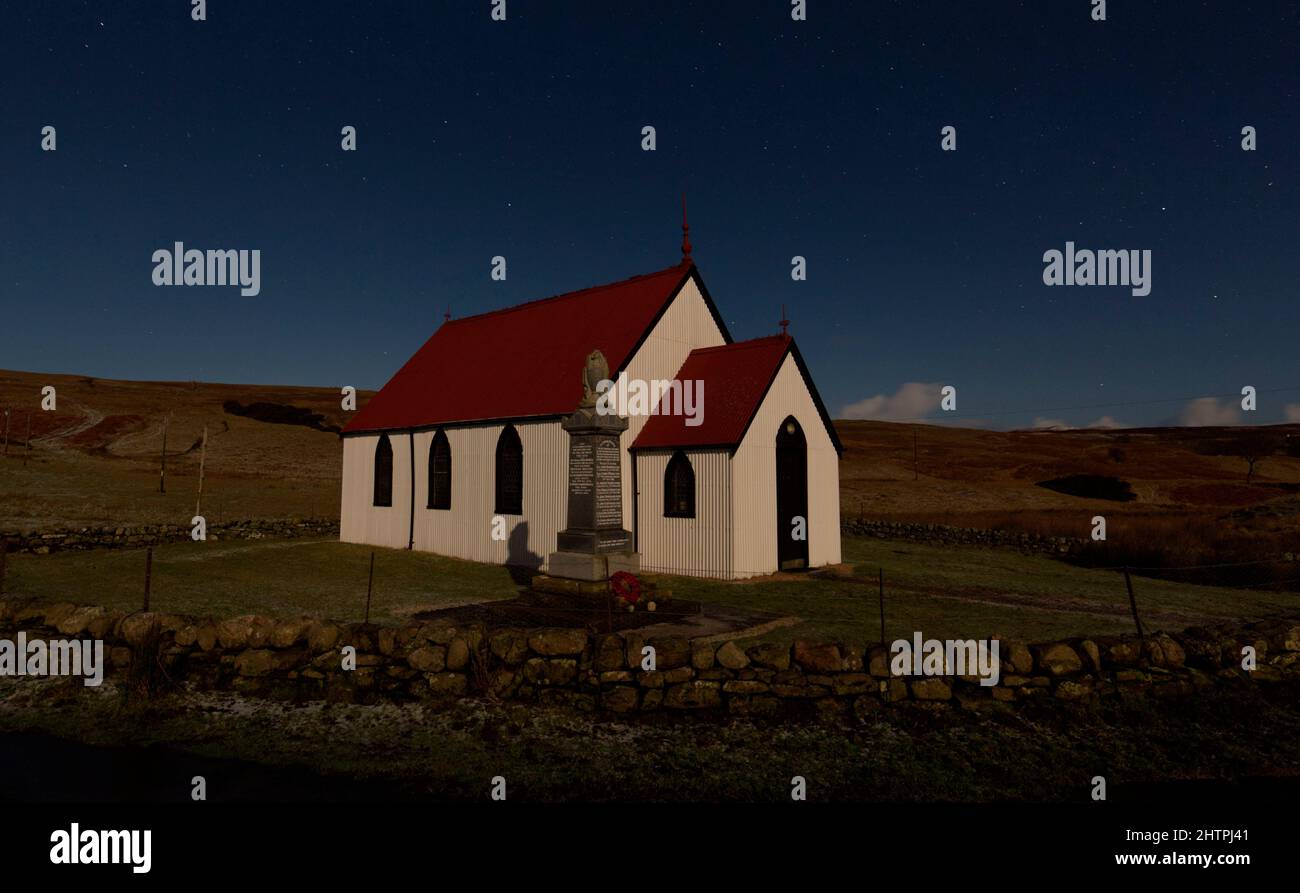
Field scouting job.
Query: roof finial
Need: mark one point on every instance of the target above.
(446, 317)
(784, 322)
(686, 234)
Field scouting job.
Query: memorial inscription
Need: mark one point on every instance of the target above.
(594, 543)
(581, 469)
(609, 490)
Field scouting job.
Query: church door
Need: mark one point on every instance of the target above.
(791, 496)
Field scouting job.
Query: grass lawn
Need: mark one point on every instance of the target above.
(961, 592)
(280, 577)
(61, 490)
(943, 591)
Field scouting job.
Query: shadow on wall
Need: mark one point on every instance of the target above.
(522, 562)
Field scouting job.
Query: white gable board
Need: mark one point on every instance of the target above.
(754, 475)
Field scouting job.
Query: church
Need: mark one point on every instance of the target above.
(462, 452)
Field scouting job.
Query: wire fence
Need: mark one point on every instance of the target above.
(874, 590)
(604, 611)
(1198, 567)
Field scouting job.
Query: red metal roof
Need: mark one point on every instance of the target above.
(736, 379)
(522, 361)
(735, 376)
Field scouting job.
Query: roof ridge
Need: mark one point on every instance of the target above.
(570, 294)
(746, 344)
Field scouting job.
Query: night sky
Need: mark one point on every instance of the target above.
(523, 138)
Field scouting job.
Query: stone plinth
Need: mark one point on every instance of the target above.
(594, 544)
(590, 566)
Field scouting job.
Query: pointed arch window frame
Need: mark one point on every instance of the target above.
(679, 486)
(382, 493)
(508, 476)
(440, 478)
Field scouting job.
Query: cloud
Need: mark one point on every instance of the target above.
(1062, 425)
(1291, 412)
(1208, 411)
(914, 400)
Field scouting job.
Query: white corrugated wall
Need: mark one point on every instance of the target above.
(360, 520)
(685, 325)
(696, 547)
(465, 531)
(753, 472)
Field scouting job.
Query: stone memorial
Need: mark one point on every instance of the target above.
(594, 544)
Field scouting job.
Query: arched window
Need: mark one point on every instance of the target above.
(383, 471)
(510, 473)
(679, 487)
(440, 472)
(791, 496)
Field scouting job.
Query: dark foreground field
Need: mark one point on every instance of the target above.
(1217, 744)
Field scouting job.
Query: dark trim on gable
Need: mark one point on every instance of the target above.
(829, 425)
(793, 348)
(827, 421)
(692, 272)
(708, 302)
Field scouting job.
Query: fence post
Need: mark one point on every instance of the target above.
(1132, 603)
(162, 461)
(370, 585)
(148, 574)
(203, 457)
(882, 606)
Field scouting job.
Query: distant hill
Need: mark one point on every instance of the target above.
(982, 478)
(1172, 497)
(273, 451)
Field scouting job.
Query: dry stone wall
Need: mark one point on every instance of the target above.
(44, 542)
(301, 658)
(153, 535)
(969, 536)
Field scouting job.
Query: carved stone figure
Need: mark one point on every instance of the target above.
(594, 543)
(593, 373)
